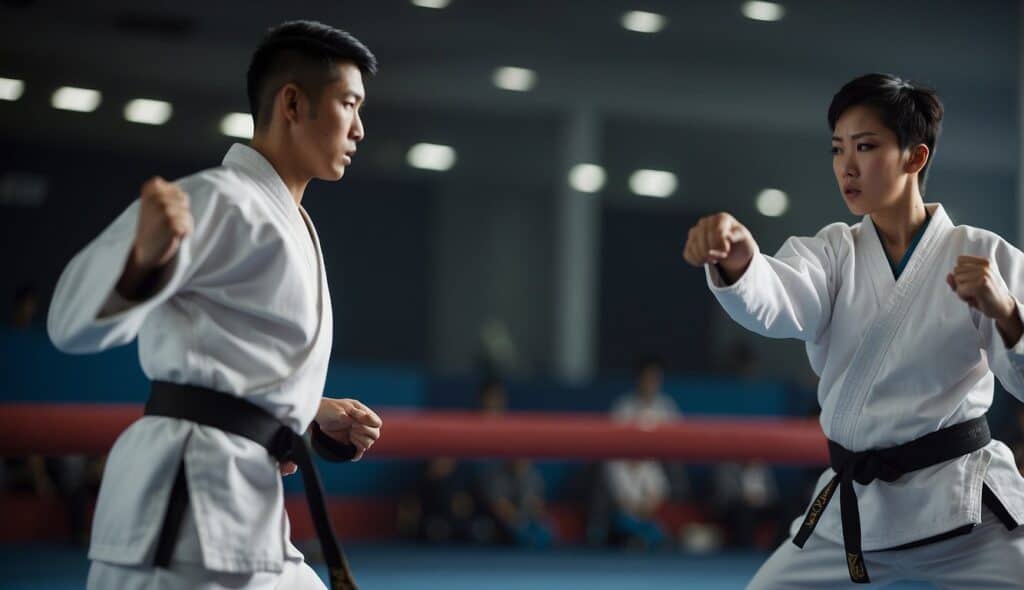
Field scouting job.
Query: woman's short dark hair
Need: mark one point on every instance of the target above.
(913, 112)
(304, 52)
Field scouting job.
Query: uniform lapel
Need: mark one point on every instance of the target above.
(895, 300)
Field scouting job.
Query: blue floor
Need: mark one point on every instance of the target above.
(405, 567)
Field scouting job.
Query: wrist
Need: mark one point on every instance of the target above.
(137, 283)
(1009, 310)
(733, 272)
(320, 410)
(1010, 326)
(131, 277)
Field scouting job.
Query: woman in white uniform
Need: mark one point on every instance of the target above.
(221, 277)
(905, 317)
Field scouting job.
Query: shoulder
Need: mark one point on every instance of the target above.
(830, 243)
(840, 235)
(976, 241)
(222, 191)
(969, 235)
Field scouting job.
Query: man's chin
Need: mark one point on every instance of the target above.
(334, 175)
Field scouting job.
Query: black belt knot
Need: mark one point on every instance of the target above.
(886, 465)
(864, 467)
(235, 415)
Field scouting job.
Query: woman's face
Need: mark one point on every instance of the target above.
(872, 171)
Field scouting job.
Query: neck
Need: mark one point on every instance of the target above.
(290, 172)
(899, 223)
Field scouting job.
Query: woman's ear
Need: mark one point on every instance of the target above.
(919, 155)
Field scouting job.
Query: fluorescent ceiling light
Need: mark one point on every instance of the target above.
(772, 202)
(643, 22)
(653, 183)
(237, 125)
(763, 11)
(82, 100)
(431, 156)
(148, 112)
(587, 178)
(11, 89)
(431, 3)
(518, 79)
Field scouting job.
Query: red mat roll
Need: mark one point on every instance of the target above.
(55, 429)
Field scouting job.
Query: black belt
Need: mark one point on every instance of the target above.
(234, 415)
(887, 465)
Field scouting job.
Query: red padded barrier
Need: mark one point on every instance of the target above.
(54, 429)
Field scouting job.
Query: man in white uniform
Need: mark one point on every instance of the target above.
(905, 317)
(221, 277)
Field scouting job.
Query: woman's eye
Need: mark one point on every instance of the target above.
(863, 147)
(835, 151)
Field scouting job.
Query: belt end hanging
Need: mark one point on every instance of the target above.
(858, 572)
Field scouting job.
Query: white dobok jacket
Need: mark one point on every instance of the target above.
(898, 359)
(243, 308)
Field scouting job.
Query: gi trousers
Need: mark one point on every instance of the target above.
(989, 557)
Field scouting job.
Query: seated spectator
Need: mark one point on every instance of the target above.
(510, 494)
(745, 499)
(512, 497)
(442, 508)
(637, 489)
(646, 404)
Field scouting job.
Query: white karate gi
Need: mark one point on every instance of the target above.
(243, 308)
(898, 359)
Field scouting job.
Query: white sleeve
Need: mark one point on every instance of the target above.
(1006, 363)
(87, 314)
(788, 295)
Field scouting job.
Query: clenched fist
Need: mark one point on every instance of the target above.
(164, 220)
(720, 239)
(976, 282)
(349, 421)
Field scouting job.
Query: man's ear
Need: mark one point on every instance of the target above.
(289, 102)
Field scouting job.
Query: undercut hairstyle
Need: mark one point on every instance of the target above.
(303, 52)
(911, 111)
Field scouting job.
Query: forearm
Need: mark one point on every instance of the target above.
(1010, 327)
(137, 283)
(772, 299)
(734, 273)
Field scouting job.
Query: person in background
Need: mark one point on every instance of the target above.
(510, 494)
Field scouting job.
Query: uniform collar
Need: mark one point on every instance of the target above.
(260, 169)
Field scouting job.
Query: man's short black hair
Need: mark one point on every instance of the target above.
(306, 53)
(913, 112)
